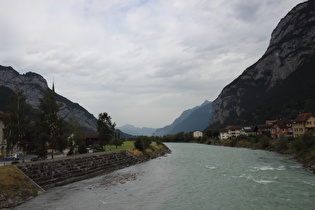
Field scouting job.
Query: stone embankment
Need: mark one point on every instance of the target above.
(48, 174)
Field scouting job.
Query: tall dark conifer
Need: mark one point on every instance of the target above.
(16, 123)
(106, 129)
(51, 127)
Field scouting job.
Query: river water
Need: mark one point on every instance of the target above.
(193, 176)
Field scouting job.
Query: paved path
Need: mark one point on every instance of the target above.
(28, 157)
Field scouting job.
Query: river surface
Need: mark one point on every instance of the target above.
(193, 176)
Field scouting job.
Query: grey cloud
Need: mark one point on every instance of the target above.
(137, 58)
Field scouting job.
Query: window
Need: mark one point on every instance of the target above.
(309, 122)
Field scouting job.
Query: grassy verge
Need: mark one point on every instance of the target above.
(153, 151)
(126, 145)
(15, 188)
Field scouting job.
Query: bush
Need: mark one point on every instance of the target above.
(142, 143)
(264, 142)
(82, 148)
(159, 142)
(282, 144)
(70, 151)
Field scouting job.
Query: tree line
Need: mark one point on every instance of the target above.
(48, 130)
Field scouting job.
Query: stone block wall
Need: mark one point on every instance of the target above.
(58, 172)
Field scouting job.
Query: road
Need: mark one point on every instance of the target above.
(28, 157)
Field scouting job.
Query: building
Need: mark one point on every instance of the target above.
(250, 130)
(282, 127)
(303, 123)
(231, 132)
(264, 129)
(197, 134)
(224, 134)
(91, 138)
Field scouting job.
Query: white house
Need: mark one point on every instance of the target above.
(197, 134)
(231, 132)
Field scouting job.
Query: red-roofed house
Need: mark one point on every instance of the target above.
(303, 123)
(282, 126)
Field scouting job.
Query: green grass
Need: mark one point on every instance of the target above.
(12, 182)
(126, 145)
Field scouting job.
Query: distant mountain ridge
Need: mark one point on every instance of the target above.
(34, 86)
(196, 118)
(132, 130)
(281, 83)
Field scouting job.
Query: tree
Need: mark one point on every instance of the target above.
(51, 126)
(106, 129)
(212, 133)
(16, 123)
(118, 142)
(76, 133)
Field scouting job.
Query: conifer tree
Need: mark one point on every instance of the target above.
(51, 126)
(16, 123)
(106, 129)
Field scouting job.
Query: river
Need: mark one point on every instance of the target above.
(193, 176)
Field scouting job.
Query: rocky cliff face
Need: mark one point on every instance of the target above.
(291, 45)
(34, 86)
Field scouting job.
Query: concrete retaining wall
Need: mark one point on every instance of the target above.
(58, 172)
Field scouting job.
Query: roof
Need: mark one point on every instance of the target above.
(283, 123)
(303, 117)
(249, 129)
(270, 122)
(91, 135)
(262, 127)
(233, 127)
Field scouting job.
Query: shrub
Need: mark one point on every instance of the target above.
(82, 148)
(159, 142)
(142, 143)
(264, 142)
(70, 151)
(282, 144)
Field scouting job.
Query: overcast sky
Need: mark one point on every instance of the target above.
(142, 61)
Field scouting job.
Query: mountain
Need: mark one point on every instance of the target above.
(196, 118)
(132, 130)
(281, 83)
(34, 86)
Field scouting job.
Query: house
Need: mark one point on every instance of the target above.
(224, 134)
(231, 132)
(282, 126)
(197, 134)
(91, 138)
(264, 129)
(250, 130)
(303, 123)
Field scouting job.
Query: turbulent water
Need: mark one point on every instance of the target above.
(194, 176)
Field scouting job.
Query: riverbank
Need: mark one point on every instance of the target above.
(303, 154)
(16, 188)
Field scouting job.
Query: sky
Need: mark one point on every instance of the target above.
(142, 61)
